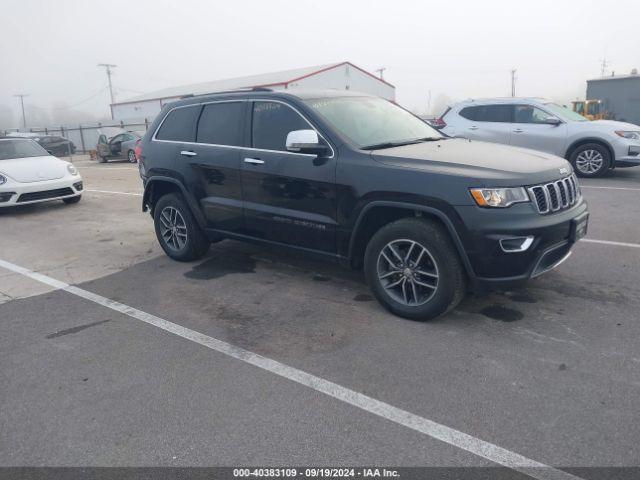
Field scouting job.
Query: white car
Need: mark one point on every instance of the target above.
(592, 147)
(29, 174)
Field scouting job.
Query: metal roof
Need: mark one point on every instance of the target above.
(615, 77)
(263, 80)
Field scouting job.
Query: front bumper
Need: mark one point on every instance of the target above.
(627, 153)
(14, 193)
(552, 235)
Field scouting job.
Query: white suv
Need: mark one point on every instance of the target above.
(591, 147)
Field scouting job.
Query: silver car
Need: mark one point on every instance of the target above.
(592, 147)
(120, 145)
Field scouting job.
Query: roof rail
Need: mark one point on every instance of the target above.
(235, 90)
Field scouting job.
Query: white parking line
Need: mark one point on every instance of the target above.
(612, 188)
(608, 242)
(111, 192)
(420, 424)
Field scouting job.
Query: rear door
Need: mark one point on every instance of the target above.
(489, 123)
(211, 165)
(288, 197)
(530, 130)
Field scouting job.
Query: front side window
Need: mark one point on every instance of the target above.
(530, 114)
(372, 121)
(221, 124)
(272, 121)
(180, 125)
(10, 149)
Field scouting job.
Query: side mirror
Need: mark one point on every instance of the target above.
(305, 141)
(553, 121)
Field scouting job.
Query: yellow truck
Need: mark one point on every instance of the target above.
(591, 109)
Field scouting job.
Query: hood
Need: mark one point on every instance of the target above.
(612, 125)
(489, 163)
(33, 169)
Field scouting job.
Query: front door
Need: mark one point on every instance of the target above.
(531, 130)
(288, 197)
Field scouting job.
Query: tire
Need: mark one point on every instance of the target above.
(72, 200)
(186, 241)
(103, 159)
(439, 260)
(590, 160)
(131, 156)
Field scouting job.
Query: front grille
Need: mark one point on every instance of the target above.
(555, 196)
(33, 196)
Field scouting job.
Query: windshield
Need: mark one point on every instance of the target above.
(373, 122)
(565, 113)
(20, 148)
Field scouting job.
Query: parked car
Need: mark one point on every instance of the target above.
(30, 174)
(358, 180)
(592, 147)
(57, 145)
(120, 145)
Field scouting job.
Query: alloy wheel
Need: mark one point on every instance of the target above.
(132, 157)
(589, 161)
(408, 272)
(173, 228)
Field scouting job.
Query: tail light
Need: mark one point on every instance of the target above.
(439, 123)
(138, 149)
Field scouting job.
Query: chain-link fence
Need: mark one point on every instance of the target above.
(83, 137)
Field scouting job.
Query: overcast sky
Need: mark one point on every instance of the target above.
(454, 48)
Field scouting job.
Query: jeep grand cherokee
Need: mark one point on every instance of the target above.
(361, 181)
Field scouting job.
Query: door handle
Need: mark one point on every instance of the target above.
(188, 153)
(518, 130)
(473, 127)
(254, 161)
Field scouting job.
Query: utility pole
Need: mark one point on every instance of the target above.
(603, 66)
(513, 82)
(380, 72)
(108, 67)
(21, 97)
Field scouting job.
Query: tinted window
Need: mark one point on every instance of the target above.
(272, 122)
(221, 124)
(530, 114)
(180, 125)
(488, 113)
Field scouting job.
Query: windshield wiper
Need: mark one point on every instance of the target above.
(380, 146)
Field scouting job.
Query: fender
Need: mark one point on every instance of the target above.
(421, 208)
(593, 140)
(191, 201)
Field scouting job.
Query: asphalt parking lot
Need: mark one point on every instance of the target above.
(549, 373)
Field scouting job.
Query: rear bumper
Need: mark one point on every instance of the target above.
(14, 193)
(492, 266)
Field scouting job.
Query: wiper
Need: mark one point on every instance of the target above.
(380, 146)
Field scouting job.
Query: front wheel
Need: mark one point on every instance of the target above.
(414, 270)
(177, 230)
(591, 160)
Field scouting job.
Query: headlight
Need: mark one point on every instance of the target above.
(3, 179)
(499, 197)
(631, 135)
(71, 169)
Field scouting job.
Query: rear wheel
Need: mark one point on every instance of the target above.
(131, 156)
(414, 270)
(103, 159)
(591, 160)
(177, 230)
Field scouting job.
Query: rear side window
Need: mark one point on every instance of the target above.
(488, 113)
(221, 124)
(180, 125)
(272, 122)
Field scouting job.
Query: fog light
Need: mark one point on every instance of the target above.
(634, 150)
(78, 186)
(516, 244)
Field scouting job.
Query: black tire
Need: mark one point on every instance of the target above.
(591, 160)
(441, 257)
(103, 159)
(131, 156)
(71, 200)
(194, 245)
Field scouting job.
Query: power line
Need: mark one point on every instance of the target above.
(21, 96)
(66, 107)
(108, 67)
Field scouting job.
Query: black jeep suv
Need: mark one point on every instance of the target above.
(359, 180)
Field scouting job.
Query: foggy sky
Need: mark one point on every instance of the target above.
(454, 48)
